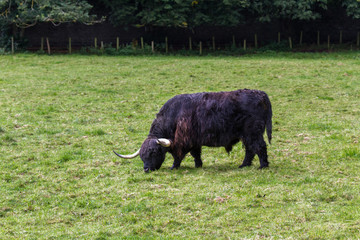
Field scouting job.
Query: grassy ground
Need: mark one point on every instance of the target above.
(61, 117)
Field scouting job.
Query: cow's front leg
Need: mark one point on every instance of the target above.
(176, 164)
(177, 160)
(196, 153)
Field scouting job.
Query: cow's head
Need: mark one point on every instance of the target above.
(152, 153)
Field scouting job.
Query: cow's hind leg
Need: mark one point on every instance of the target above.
(262, 153)
(249, 156)
(255, 144)
(196, 153)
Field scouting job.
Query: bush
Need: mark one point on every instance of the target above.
(127, 50)
(283, 46)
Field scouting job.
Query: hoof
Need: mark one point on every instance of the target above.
(244, 165)
(264, 166)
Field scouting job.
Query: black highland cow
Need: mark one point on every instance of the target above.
(215, 119)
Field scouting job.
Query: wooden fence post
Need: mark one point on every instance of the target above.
(290, 43)
(166, 45)
(48, 46)
(95, 42)
(142, 43)
(152, 46)
(244, 44)
(190, 44)
(279, 37)
(117, 43)
(233, 41)
(69, 45)
(318, 38)
(301, 38)
(12, 45)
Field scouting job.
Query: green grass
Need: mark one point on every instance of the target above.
(61, 117)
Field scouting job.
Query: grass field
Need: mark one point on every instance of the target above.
(61, 117)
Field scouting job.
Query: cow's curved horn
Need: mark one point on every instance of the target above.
(164, 142)
(128, 156)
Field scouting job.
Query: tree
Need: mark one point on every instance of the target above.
(218, 13)
(27, 13)
(176, 13)
(287, 10)
(352, 8)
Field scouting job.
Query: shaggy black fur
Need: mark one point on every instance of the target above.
(216, 119)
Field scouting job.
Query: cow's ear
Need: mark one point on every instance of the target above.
(163, 142)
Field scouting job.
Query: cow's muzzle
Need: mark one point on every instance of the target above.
(147, 170)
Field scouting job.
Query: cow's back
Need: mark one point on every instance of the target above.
(212, 118)
(222, 116)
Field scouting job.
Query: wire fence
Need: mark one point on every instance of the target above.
(279, 41)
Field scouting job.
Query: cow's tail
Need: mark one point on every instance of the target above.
(268, 119)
